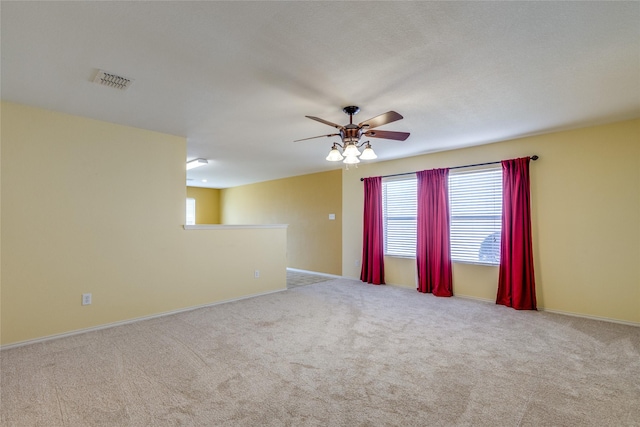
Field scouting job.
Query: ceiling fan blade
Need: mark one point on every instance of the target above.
(314, 137)
(318, 119)
(382, 119)
(387, 134)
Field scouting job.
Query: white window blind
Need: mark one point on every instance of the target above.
(475, 207)
(191, 211)
(399, 208)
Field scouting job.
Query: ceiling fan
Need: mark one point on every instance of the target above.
(350, 135)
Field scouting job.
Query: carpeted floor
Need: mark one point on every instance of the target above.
(337, 353)
(297, 278)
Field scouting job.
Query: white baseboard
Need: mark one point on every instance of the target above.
(169, 313)
(565, 313)
(126, 322)
(587, 316)
(476, 298)
(315, 272)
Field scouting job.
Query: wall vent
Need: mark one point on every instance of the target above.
(112, 80)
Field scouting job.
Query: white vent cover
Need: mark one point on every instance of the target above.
(112, 80)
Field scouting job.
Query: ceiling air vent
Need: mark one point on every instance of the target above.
(112, 80)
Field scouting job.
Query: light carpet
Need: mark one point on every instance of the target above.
(297, 278)
(337, 353)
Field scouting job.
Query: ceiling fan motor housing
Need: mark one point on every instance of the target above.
(351, 132)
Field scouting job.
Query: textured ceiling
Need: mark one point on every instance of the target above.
(237, 78)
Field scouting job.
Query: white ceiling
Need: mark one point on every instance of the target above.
(237, 78)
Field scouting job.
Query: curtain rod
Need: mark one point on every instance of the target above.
(534, 158)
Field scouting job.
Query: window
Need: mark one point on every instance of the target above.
(191, 212)
(399, 210)
(475, 209)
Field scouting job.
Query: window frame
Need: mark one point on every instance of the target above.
(495, 191)
(407, 247)
(485, 190)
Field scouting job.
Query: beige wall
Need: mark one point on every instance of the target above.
(207, 204)
(73, 221)
(304, 202)
(84, 215)
(585, 191)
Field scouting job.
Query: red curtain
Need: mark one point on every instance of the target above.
(372, 234)
(516, 283)
(433, 252)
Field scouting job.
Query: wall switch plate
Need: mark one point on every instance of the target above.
(332, 216)
(256, 274)
(86, 299)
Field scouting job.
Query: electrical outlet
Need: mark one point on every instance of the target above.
(357, 263)
(256, 274)
(86, 299)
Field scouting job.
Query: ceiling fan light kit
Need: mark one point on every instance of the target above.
(350, 135)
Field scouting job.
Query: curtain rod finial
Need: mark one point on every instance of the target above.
(535, 157)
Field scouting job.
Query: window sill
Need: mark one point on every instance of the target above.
(452, 261)
(476, 263)
(400, 256)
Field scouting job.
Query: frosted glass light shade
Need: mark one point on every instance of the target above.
(368, 153)
(351, 160)
(351, 150)
(334, 155)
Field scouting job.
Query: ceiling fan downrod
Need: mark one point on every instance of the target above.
(351, 110)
